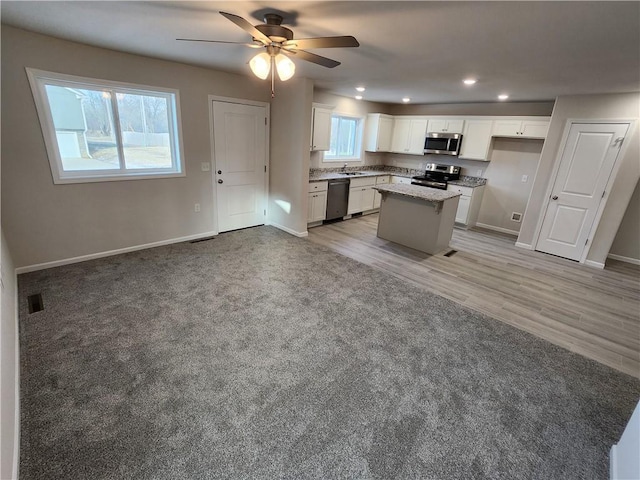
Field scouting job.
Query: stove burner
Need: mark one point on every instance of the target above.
(436, 176)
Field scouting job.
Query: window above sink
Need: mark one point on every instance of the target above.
(346, 138)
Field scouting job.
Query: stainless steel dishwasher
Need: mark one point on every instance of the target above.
(337, 198)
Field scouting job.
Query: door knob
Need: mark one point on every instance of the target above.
(555, 197)
(220, 181)
(219, 172)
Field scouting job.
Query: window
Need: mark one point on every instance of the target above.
(346, 136)
(96, 130)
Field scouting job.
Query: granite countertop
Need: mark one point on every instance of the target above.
(432, 195)
(320, 174)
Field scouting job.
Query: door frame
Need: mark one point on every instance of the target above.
(214, 189)
(631, 122)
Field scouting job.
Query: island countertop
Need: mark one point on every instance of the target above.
(433, 195)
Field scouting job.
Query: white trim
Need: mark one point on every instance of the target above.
(634, 261)
(109, 253)
(613, 462)
(591, 263)
(526, 246)
(16, 421)
(515, 233)
(38, 78)
(289, 230)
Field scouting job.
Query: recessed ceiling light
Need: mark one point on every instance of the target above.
(503, 96)
(358, 97)
(360, 89)
(406, 99)
(469, 81)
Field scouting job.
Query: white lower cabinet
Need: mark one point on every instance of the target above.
(317, 205)
(361, 195)
(468, 204)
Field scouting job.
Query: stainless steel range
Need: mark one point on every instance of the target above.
(437, 176)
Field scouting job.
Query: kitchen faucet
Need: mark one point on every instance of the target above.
(344, 167)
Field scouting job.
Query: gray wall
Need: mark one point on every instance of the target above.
(627, 241)
(542, 109)
(10, 367)
(289, 162)
(44, 222)
(588, 107)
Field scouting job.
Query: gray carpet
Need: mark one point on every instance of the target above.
(257, 355)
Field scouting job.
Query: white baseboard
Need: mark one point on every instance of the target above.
(109, 253)
(515, 233)
(526, 246)
(613, 463)
(16, 421)
(635, 261)
(591, 263)
(289, 230)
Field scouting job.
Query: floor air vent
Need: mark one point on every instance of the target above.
(35, 303)
(450, 252)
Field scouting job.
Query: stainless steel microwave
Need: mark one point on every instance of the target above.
(443, 143)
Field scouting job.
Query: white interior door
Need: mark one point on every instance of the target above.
(240, 153)
(585, 167)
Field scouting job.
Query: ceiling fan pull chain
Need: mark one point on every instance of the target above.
(273, 76)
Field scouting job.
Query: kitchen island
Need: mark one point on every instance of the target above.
(418, 217)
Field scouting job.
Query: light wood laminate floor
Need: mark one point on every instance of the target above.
(595, 313)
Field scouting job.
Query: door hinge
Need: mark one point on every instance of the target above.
(265, 169)
(265, 213)
(586, 241)
(265, 120)
(603, 194)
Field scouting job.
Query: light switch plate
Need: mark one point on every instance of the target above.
(206, 166)
(525, 178)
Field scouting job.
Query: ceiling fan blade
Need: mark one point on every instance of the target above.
(252, 45)
(312, 57)
(322, 42)
(247, 27)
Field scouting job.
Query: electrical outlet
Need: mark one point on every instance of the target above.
(479, 172)
(525, 178)
(196, 207)
(206, 166)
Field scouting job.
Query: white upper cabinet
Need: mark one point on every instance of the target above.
(321, 128)
(521, 128)
(445, 125)
(476, 139)
(408, 135)
(379, 129)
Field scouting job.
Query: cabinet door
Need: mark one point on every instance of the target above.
(400, 136)
(506, 128)
(355, 200)
(385, 130)
(417, 134)
(455, 126)
(368, 198)
(462, 213)
(377, 199)
(321, 131)
(476, 139)
(534, 129)
(317, 210)
(437, 126)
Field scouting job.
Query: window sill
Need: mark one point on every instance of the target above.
(115, 178)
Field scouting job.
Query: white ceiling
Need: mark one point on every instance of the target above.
(530, 50)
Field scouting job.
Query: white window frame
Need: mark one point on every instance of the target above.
(358, 140)
(38, 79)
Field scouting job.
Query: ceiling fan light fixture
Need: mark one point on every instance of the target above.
(285, 67)
(261, 65)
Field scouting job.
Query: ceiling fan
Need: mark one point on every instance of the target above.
(278, 40)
